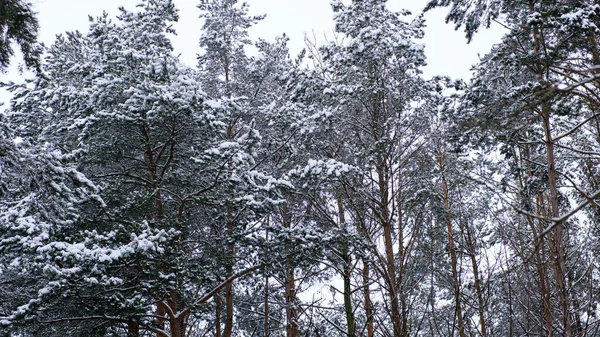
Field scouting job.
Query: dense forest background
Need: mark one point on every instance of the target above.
(333, 193)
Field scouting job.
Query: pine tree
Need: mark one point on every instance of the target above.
(137, 127)
(378, 127)
(536, 92)
(19, 25)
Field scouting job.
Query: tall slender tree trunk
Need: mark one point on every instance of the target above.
(218, 309)
(291, 310)
(266, 327)
(539, 256)
(542, 268)
(478, 290)
(367, 298)
(401, 258)
(557, 240)
(452, 252)
(158, 214)
(228, 329)
(365, 273)
(346, 275)
(291, 307)
(395, 315)
(453, 262)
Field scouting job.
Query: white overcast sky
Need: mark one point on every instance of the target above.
(446, 49)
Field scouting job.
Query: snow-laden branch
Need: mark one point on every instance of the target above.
(223, 284)
(573, 129)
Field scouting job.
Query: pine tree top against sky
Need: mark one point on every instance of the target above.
(446, 49)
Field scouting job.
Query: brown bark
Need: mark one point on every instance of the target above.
(218, 308)
(541, 267)
(176, 329)
(367, 299)
(175, 322)
(151, 169)
(133, 329)
(161, 311)
(478, 290)
(556, 241)
(452, 252)
(170, 311)
(228, 329)
(401, 259)
(539, 258)
(350, 322)
(346, 275)
(291, 309)
(361, 227)
(266, 294)
(540, 247)
(291, 302)
(390, 276)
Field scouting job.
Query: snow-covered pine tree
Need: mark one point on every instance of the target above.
(223, 63)
(533, 100)
(19, 25)
(459, 211)
(223, 73)
(136, 128)
(42, 193)
(374, 85)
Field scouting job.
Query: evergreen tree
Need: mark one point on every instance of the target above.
(19, 25)
(134, 121)
(534, 94)
(373, 81)
(139, 196)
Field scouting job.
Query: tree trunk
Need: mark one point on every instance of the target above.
(556, 241)
(395, 314)
(453, 259)
(401, 257)
(346, 275)
(266, 294)
(291, 307)
(541, 267)
(176, 320)
(133, 329)
(228, 329)
(161, 312)
(367, 299)
(539, 257)
(478, 290)
(218, 308)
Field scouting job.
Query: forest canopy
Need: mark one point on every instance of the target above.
(337, 192)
